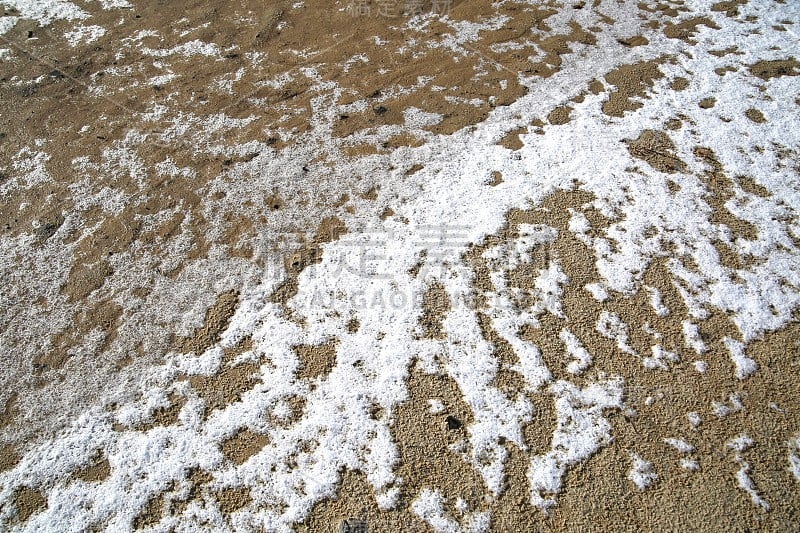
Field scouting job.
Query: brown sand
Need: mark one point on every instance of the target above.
(630, 81)
(658, 150)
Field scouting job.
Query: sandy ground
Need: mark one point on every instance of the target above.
(408, 266)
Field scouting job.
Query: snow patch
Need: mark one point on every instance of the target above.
(641, 473)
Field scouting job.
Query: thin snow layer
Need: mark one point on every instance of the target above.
(690, 464)
(188, 49)
(740, 445)
(581, 358)
(744, 365)
(300, 466)
(691, 334)
(429, 506)
(581, 430)
(46, 11)
(679, 444)
(85, 34)
(794, 457)
(611, 325)
(641, 473)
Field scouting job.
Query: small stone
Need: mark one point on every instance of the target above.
(453, 423)
(353, 525)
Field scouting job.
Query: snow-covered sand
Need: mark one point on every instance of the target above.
(508, 266)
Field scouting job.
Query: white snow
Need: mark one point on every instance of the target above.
(301, 464)
(46, 12)
(581, 358)
(611, 325)
(429, 506)
(435, 406)
(690, 464)
(641, 473)
(581, 431)
(740, 445)
(794, 457)
(679, 444)
(597, 291)
(691, 334)
(84, 34)
(744, 365)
